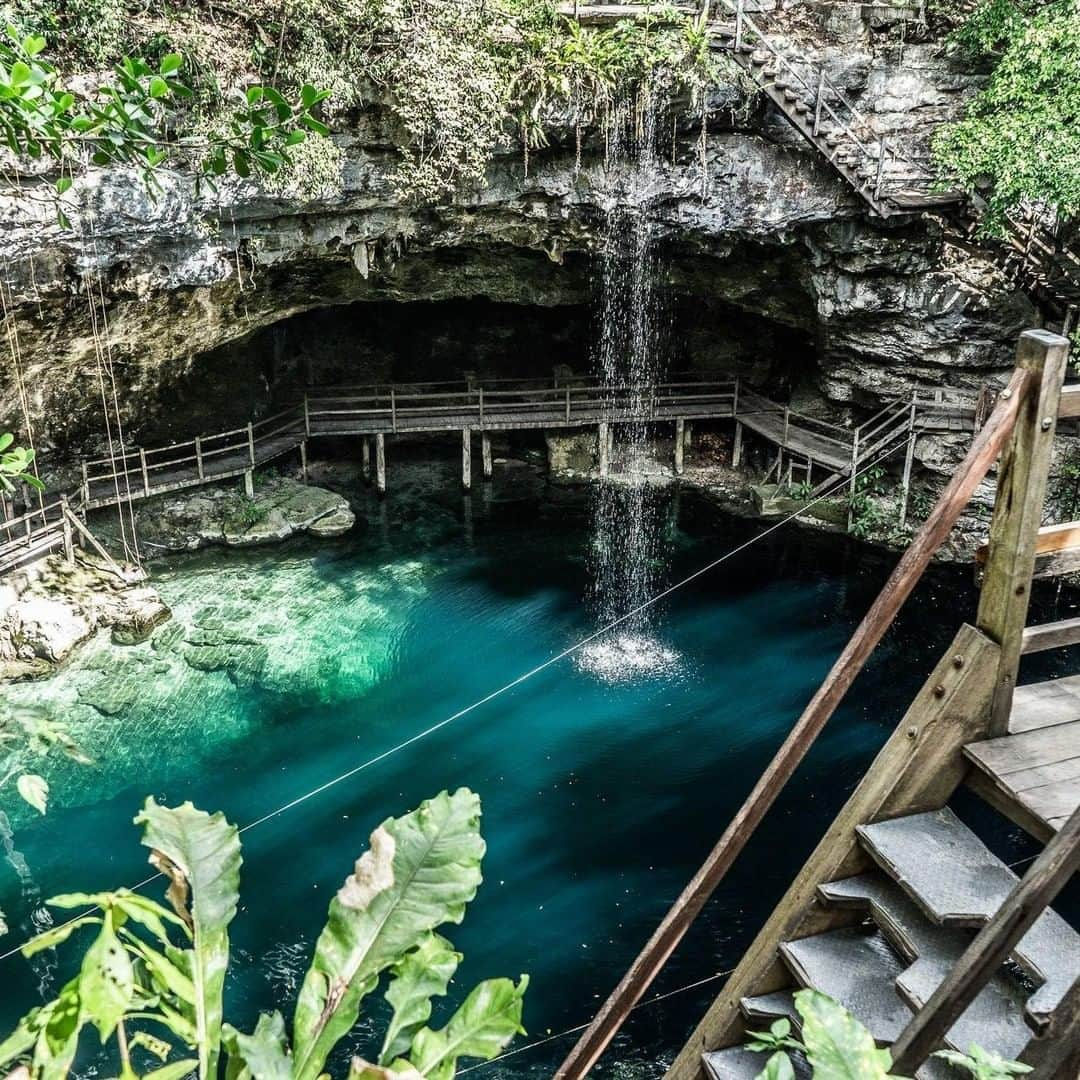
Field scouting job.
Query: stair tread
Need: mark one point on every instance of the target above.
(768, 1007)
(858, 970)
(956, 879)
(737, 1063)
(995, 1019)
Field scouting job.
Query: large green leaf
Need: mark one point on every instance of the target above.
(487, 1020)
(837, 1045)
(419, 872)
(200, 853)
(262, 1055)
(419, 976)
(106, 980)
(778, 1067)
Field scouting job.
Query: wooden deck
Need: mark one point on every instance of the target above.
(1033, 774)
(794, 433)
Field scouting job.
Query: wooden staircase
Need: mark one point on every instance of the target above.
(902, 913)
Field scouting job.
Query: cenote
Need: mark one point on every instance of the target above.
(601, 792)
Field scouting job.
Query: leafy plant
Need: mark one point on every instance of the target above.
(866, 515)
(131, 119)
(15, 465)
(1019, 140)
(1066, 485)
(837, 1046)
(166, 965)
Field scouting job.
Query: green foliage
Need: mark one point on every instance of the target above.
(242, 512)
(1065, 487)
(1020, 138)
(15, 465)
(838, 1047)
(983, 1065)
(149, 963)
(131, 119)
(867, 516)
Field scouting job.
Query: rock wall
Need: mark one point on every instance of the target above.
(776, 269)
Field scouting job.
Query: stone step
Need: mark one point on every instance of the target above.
(956, 880)
(763, 1009)
(994, 1020)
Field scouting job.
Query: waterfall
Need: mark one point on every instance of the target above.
(631, 356)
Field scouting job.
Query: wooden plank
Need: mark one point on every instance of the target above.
(1055, 1052)
(1070, 401)
(1028, 750)
(1054, 635)
(1056, 701)
(1018, 505)
(983, 452)
(992, 946)
(991, 790)
(917, 769)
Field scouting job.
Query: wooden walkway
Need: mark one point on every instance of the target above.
(1033, 774)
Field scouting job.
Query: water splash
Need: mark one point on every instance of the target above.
(627, 567)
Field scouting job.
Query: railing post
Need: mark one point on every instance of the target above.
(908, 459)
(307, 417)
(882, 150)
(738, 23)
(1018, 507)
(199, 464)
(69, 546)
(568, 404)
(251, 442)
(145, 471)
(85, 483)
(735, 398)
(854, 476)
(819, 101)
(393, 410)
(787, 425)
(481, 393)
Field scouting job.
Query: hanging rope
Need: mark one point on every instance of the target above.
(524, 677)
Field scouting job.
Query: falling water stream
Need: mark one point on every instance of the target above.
(630, 359)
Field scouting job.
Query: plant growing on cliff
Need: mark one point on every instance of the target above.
(1019, 140)
(135, 118)
(15, 465)
(150, 964)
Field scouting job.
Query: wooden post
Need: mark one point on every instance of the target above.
(393, 410)
(85, 483)
(604, 449)
(738, 23)
(905, 576)
(880, 168)
(307, 417)
(1018, 506)
(917, 769)
(249, 483)
(145, 471)
(466, 458)
(481, 393)
(485, 453)
(787, 425)
(736, 454)
(735, 398)
(365, 457)
(853, 482)
(680, 430)
(909, 456)
(380, 463)
(199, 464)
(303, 460)
(251, 443)
(1050, 872)
(69, 547)
(820, 101)
(568, 404)
(1055, 1051)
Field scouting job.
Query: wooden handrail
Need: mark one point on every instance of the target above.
(982, 454)
(1056, 864)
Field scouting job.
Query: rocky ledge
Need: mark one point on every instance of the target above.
(53, 606)
(279, 508)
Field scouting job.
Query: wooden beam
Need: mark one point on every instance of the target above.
(485, 454)
(466, 458)
(1053, 635)
(916, 770)
(982, 454)
(1050, 872)
(1070, 401)
(1055, 1052)
(1018, 506)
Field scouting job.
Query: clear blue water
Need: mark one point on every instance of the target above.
(600, 795)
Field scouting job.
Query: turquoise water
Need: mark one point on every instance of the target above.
(601, 794)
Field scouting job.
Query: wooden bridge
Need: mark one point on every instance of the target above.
(902, 913)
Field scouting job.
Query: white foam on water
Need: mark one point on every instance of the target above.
(622, 657)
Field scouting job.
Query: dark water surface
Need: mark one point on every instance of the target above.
(601, 795)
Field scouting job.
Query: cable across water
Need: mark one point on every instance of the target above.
(518, 680)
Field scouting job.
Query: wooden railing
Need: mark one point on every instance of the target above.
(1035, 382)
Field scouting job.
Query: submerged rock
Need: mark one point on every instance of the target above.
(281, 507)
(48, 609)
